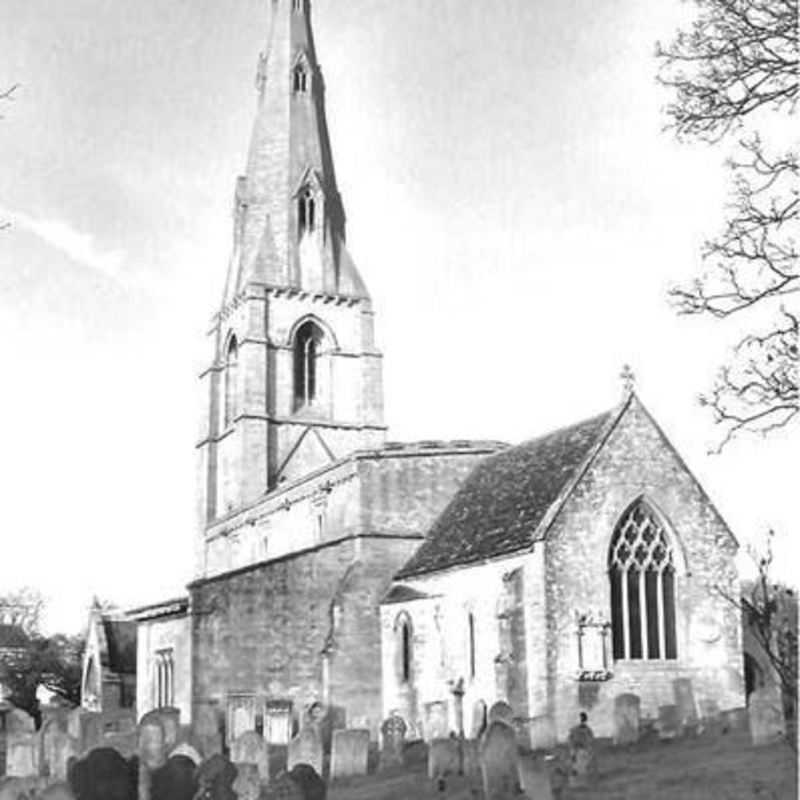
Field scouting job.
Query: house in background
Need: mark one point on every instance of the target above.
(108, 682)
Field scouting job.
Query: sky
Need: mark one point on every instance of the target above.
(513, 203)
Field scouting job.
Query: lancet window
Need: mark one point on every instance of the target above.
(307, 345)
(231, 363)
(306, 212)
(164, 679)
(641, 571)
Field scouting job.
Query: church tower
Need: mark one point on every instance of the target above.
(295, 382)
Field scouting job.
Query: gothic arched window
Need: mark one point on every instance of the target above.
(231, 362)
(405, 647)
(306, 212)
(471, 626)
(307, 344)
(300, 79)
(641, 571)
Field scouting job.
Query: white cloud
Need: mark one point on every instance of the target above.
(79, 246)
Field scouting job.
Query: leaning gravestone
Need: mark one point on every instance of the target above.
(215, 777)
(103, 775)
(626, 718)
(175, 780)
(582, 754)
(669, 721)
(22, 755)
(309, 781)
(498, 753)
(444, 758)
(393, 740)
(501, 712)
(767, 722)
(248, 783)
(684, 699)
(306, 748)
(534, 778)
(349, 753)
(251, 748)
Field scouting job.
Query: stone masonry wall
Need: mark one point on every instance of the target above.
(636, 461)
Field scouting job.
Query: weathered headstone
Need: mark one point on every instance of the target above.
(309, 781)
(251, 748)
(349, 753)
(684, 699)
(186, 750)
(170, 719)
(215, 777)
(767, 722)
(152, 742)
(306, 748)
(393, 740)
(626, 719)
(502, 712)
(534, 778)
(57, 747)
(444, 758)
(669, 721)
(103, 775)
(498, 753)
(22, 751)
(175, 780)
(582, 753)
(248, 782)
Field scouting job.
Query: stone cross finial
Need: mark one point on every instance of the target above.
(628, 379)
(261, 72)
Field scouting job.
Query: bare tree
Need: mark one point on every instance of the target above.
(22, 608)
(740, 57)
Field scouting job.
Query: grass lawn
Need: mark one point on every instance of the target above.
(707, 767)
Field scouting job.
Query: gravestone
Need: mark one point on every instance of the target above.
(669, 721)
(103, 775)
(170, 719)
(626, 718)
(501, 712)
(534, 778)
(436, 726)
(684, 699)
(152, 744)
(306, 748)
(444, 758)
(582, 753)
(767, 722)
(498, 754)
(215, 777)
(248, 782)
(19, 721)
(186, 750)
(470, 759)
(393, 740)
(22, 755)
(57, 747)
(207, 729)
(734, 719)
(349, 753)
(309, 781)
(251, 748)
(175, 780)
(479, 719)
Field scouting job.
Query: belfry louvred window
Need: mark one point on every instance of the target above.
(307, 345)
(641, 572)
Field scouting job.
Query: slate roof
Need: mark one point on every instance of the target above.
(12, 637)
(500, 507)
(121, 639)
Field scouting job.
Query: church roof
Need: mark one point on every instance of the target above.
(121, 640)
(507, 501)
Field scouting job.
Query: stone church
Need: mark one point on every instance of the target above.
(339, 568)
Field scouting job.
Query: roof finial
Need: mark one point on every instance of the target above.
(628, 380)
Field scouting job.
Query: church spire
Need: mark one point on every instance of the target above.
(289, 223)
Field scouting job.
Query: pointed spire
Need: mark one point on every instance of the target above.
(289, 223)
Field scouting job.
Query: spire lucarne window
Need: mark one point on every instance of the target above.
(641, 571)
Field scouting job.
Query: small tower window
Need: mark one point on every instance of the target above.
(300, 79)
(306, 212)
(471, 625)
(307, 343)
(231, 362)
